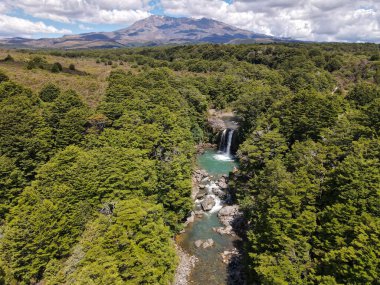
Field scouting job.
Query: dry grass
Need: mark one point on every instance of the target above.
(90, 87)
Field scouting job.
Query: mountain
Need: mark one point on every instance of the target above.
(154, 30)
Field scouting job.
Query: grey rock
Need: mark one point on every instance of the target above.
(198, 243)
(223, 184)
(201, 195)
(221, 194)
(208, 203)
(208, 243)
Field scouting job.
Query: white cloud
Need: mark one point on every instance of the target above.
(10, 26)
(322, 20)
(115, 16)
(94, 11)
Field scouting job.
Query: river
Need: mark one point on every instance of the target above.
(210, 268)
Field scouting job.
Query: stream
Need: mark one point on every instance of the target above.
(210, 268)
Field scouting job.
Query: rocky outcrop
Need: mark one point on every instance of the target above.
(216, 124)
(232, 220)
(200, 148)
(227, 255)
(235, 266)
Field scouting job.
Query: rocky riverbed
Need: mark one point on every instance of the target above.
(211, 196)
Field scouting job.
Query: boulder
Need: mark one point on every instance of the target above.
(201, 195)
(221, 194)
(204, 243)
(223, 184)
(208, 243)
(228, 230)
(227, 214)
(227, 255)
(198, 243)
(208, 203)
(228, 211)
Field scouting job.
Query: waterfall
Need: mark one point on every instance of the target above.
(226, 141)
(229, 142)
(224, 149)
(222, 144)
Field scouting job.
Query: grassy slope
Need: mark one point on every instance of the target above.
(90, 87)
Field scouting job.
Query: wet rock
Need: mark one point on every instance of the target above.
(208, 243)
(191, 218)
(221, 194)
(200, 148)
(216, 124)
(227, 255)
(228, 212)
(208, 203)
(205, 180)
(228, 230)
(198, 209)
(201, 194)
(204, 243)
(223, 184)
(231, 218)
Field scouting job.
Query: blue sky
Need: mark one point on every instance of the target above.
(318, 20)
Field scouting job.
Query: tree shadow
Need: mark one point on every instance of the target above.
(235, 267)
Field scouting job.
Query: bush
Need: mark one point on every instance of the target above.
(36, 62)
(3, 77)
(49, 92)
(9, 58)
(55, 68)
(72, 66)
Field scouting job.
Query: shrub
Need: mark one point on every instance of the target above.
(56, 67)
(72, 66)
(49, 92)
(3, 77)
(9, 58)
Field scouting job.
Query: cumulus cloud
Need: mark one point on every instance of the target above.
(321, 20)
(10, 26)
(93, 11)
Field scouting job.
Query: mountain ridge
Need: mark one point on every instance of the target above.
(154, 30)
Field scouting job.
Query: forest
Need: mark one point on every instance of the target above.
(95, 184)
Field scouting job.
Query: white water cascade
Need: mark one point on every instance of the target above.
(229, 142)
(218, 203)
(224, 151)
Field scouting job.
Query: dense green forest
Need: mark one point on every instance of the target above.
(95, 194)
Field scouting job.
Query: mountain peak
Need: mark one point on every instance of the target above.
(154, 30)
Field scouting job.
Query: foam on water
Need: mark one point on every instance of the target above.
(223, 157)
(218, 204)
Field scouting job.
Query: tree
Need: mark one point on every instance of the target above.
(49, 92)
(128, 242)
(363, 93)
(306, 114)
(56, 67)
